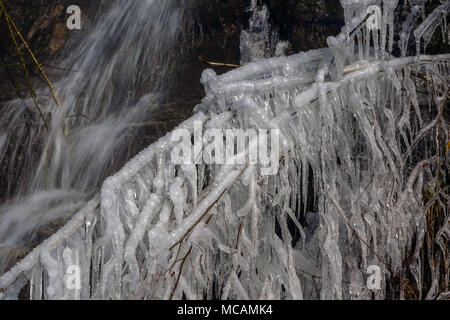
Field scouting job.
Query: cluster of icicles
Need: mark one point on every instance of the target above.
(352, 122)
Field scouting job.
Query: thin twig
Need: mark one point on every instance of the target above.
(179, 273)
(359, 25)
(45, 65)
(11, 22)
(22, 62)
(218, 64)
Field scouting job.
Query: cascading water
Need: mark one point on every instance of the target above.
(124, 66)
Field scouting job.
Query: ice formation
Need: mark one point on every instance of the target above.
(362, 137)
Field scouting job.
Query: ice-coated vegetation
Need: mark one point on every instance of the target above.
(52, 172)
(363, 163)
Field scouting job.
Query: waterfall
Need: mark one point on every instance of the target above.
(124, 66)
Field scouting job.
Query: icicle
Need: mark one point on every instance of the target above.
(146, 216)
(178, 198)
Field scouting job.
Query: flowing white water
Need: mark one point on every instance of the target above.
(124, 64)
